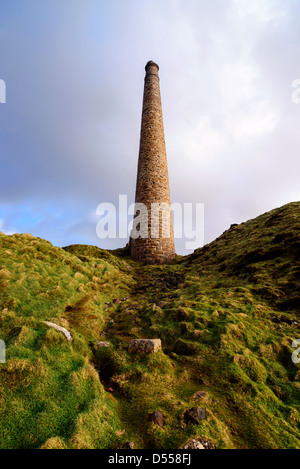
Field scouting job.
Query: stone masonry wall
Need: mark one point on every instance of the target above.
(152, 185)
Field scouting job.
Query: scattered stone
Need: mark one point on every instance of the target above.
(199, 443)
(111, 321)
(109, 304)
(66, 333)
(194, 415)
(162, 304)
(205, 382)
(200, 394)
(101, 344)
(144, 345)
(124, 299)
(116, 301)
(193, 444)
(157, 417)
(129, 445)
(78, 276)
(207, 443)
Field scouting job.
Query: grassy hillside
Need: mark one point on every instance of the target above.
(226, 316)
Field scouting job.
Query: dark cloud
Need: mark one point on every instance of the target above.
(69, 132)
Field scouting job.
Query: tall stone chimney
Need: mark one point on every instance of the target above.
(152, 238)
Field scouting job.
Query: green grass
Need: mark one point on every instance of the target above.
(226, 323)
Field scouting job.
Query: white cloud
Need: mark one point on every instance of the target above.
(257, 120)
(264, 11)
(237, 84)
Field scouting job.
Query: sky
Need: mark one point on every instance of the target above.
(70, 126)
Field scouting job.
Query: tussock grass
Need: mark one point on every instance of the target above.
(226, 315)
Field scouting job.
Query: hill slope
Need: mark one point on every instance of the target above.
(227, 316)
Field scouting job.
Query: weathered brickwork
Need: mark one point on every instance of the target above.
(152, 185)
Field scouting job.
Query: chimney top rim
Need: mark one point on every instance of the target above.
(151, 63)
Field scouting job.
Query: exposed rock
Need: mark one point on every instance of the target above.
(129, 445)
(207, 443)
(144, 345)
(194, 415)
(193, 444)
(197, 333)
(78, 276)
(101, 344)
(204, 382)
(66, 333)
(199, 443)
(200, 394)
(157, 417)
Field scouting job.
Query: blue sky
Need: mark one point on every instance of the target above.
(69, 131)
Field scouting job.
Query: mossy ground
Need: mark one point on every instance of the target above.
(226, 315)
